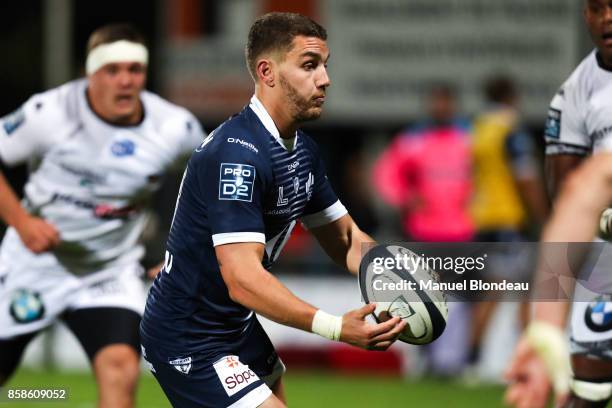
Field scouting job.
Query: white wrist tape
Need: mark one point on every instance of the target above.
(550, 343)
(326, 325)
(604, 221)
(591, 391)
(118, 51)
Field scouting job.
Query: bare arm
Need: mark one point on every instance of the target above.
(35, 233)
(342, 241)
(557, 169)
(541, 354)
(255, 288)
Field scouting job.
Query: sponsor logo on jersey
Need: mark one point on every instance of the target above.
(12, 121)
(88, 175)
(296, 185)
(598, 315)
(553, 124)
(236, 182)
(122, 148)
(291, 168)
(182, 365)
(234, 375)
(103, 211)
(309, 185)
(601, 133)
(26, 306)
(282, 200)
(247, 145)
(279, 211)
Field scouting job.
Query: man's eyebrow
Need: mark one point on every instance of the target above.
(314, 55)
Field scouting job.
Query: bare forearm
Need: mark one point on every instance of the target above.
(10, 207)
(575, 219)
(257, 289)
(267, 296)
(554, 313)
(342, 240)
(354, 253)
(585, 195)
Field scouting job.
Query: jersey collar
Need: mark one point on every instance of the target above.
(265, 118)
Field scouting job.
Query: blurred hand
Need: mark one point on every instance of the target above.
(37, 234)
(358, 332)
(530, 385)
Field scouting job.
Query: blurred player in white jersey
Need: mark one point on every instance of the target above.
(579, 124)
(97, 149)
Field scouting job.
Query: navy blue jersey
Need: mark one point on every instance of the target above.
(241, 185)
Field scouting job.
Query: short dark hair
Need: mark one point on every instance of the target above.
(114, 32)
(275, 32)
(500, 89)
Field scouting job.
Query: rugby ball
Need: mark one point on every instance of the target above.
(400, 284)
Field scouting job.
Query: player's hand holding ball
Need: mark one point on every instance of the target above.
(359, 332)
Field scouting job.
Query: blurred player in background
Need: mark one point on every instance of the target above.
(426, 173)
(541, 357)
(579, 124)
(98, 148)
(509, 195)
(243, 191)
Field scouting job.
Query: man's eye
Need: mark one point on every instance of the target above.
(309, 65)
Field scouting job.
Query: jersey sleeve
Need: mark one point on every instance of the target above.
(24, 133)
(233, 186)
(565, 131)
(324, 206)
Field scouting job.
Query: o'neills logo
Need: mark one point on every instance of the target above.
(234, 375)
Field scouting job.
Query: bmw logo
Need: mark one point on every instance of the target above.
(598, 315)
(26, 306)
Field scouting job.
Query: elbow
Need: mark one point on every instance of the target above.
(238, 292)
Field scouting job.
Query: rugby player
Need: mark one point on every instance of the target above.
(97, 148)
(242, 193)
(579, 124)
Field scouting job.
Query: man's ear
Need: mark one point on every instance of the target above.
(265, 72)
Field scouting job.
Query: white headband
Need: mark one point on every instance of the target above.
(118, 51)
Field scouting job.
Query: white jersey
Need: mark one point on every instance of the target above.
(89, 178)
(580, 115)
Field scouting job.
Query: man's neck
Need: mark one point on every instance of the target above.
(282, 119)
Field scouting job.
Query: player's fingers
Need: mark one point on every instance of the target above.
(365, 310)
(561, 399)
(381, 346)
(50, 232)
(391, 335)
(513, 394)
(521, 354)
(384, 327)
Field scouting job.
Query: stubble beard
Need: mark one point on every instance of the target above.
(302, 110)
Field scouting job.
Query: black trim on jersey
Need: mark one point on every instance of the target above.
(567, 148)
(601, 63)
(142, 118)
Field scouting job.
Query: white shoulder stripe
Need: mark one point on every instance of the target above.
(236, 237)
(328, 215)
